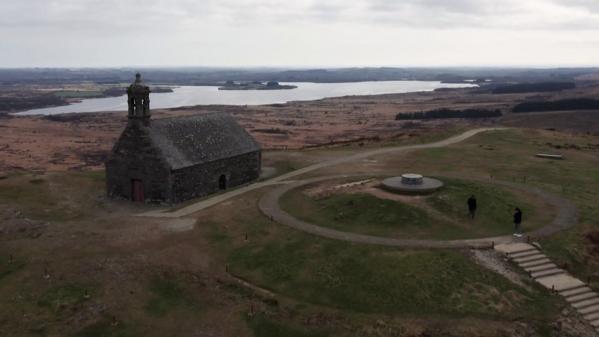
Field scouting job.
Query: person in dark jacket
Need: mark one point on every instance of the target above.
(472, 206)
(517, 222)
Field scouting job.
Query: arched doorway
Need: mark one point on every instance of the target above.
(222, 182)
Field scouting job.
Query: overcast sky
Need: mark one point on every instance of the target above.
(74, 33)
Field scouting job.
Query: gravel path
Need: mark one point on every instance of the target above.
(567, 216)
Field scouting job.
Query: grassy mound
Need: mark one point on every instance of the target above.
(444, 216)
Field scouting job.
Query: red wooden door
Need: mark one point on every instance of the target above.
(137, 189)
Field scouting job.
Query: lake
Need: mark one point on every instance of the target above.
(201, 95)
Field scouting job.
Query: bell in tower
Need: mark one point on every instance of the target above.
(138, 99)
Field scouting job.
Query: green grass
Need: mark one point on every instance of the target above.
(367, 279)
(494, 212)
(367, 214)
(60, 297)
(7, 268)
(265, 327)
(53, 196)
(167, 296)
(362, 213)
(37, 181)
(96, 176)
(105, 328)
(510, 156)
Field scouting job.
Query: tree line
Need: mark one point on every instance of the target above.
(560, 105)
(533, 87)
(449, 113)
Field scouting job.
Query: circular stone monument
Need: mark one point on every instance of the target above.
(411, 183)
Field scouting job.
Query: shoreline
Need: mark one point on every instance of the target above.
(310, 91)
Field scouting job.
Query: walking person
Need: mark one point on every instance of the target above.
(517, 222)
(472, 206)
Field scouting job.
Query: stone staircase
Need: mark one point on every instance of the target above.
(545, 272)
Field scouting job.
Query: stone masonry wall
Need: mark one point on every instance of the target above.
(203, 179)
(135, 157)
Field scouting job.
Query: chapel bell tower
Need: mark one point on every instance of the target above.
(138, 99)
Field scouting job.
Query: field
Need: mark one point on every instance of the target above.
(76, 264)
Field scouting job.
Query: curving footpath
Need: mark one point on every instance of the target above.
(203, 204)
(567, 216)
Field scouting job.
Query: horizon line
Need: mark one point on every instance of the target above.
(296, 67)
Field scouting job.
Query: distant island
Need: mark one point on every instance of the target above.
(255, 85)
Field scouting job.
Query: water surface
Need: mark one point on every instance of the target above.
(195, 95)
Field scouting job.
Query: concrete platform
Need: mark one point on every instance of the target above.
(513, 248)
(397, 185)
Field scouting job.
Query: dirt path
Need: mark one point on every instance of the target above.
(567, 216)
(203, 204)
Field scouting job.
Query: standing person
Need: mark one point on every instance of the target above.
(472, 206)
(517, 222)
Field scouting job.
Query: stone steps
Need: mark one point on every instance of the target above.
(589, 310)
(548, 274)
(523, 253)
(540, 268)
(530, 258)
(575, 291)
(591, 317)
(586, 303)
(545, 273)
(534, 263)
(581, 297)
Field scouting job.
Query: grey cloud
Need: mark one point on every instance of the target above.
(134, 16)
(293, 31)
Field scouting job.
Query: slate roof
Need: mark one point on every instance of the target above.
(194, 140)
